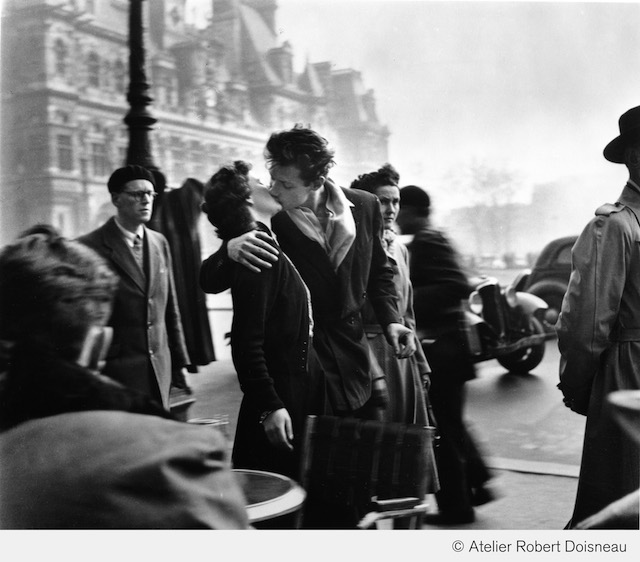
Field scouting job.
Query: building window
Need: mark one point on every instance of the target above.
(65, 152)
(90, 6)
(61, 55)
(98, 159)
(119, 76)
(94, 70)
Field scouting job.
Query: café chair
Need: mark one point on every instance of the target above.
(383, 471)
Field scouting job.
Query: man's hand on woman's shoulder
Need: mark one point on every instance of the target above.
(253, 249)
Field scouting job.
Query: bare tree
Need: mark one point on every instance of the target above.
(490, 191)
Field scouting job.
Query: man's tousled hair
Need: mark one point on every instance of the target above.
(303, 148)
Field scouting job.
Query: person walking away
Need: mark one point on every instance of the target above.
(440, 285)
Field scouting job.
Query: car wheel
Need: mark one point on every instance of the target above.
(524, 360)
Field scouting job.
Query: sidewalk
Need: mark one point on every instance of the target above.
(529, 495)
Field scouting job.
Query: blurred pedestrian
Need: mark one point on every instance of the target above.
(271, 336)
(148, 352)
(179, 220)
(406, 378)
(79, 450)
(440, 285)
(599, 332)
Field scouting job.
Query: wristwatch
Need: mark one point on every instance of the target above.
(264, 415)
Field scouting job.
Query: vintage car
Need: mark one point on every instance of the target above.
(505, 324)
(549, 276)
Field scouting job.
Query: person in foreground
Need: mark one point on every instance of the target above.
(148, 352)
(439, 285)
(79, 450)
(599, 333)
(407, 379)
(333, 236)
(271, 336)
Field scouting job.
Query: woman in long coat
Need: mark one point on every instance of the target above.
(271, 333)
(405, 378)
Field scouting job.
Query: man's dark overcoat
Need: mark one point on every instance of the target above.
(338, 297)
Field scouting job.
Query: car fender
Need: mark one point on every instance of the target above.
(530, 303)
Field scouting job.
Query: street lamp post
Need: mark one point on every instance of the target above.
(139, 120)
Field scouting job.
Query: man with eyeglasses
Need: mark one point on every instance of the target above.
(148, 351)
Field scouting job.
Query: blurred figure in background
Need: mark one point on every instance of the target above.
(407, 379)
(599, 332)
(271, 336)
(148, 352)
(439, 286)
(79, 450)
(179, 220)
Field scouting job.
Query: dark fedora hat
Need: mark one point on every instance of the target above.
(629, 124)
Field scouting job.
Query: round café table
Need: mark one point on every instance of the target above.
(274, 501)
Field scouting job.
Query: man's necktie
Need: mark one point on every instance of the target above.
(137, 251)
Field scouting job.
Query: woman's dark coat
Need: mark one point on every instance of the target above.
(273, 356)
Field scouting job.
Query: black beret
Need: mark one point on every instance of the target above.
(129, 173)
(414, 196)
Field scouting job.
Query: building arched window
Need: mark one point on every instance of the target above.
(119, 76)
(61, 53)
(93, 68)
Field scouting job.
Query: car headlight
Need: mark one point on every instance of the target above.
(475, 302)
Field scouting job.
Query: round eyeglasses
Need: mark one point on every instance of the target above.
(141, 195)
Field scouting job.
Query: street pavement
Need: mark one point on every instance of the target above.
(530, 495)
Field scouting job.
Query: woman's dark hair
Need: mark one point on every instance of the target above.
(46, 286)
(303, 148)
(226, 200)
(387, 175)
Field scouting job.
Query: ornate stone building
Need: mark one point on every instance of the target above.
(218, 91)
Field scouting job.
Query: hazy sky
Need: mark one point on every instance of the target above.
(534, 87)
